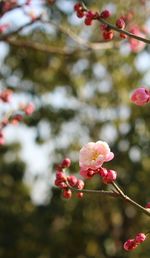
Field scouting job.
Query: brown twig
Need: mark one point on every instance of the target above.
(114, 193)
(129, 34)
(128, 199)
(89, 191)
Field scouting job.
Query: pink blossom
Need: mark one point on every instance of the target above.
(94, 154)
(140, 96)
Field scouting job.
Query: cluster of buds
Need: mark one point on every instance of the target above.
(67, 183)
(91, 158)
(89, 16)
(14, 117)
(131, 244)
(140, 96)
(107, 175)
(107, 30)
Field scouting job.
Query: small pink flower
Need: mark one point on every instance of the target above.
(140, 96)
(130, 245)
(94, 154)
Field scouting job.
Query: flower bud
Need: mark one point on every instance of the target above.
(67, 194)
(110, 177)
(66, 163)
(72, 180)
(140, 237)
(140, 96)
(80, 184)
(105, 14)
(130, 245)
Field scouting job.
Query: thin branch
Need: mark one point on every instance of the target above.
(128, 199)
(11, 33)
(109, 193)
(12, 8)
(52, 49)
(39, 47)
(80, 41)
(115, 28)
(118, 193)
(131, 35)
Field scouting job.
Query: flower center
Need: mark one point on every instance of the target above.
(95, 155)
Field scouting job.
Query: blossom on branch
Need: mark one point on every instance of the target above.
(94, 154)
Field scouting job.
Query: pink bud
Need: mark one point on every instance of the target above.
(140, 96)
(130, 245)
(123, 36)
(67, 194)
(108, 35)
(140, 237)
(104, 27)
(80, 184)
(105, 14)
(102, 172)
(80, 195)
(72, 180)
(66, 163)
(120, 23)
(110, 177)
(60, 176)
(60, 184)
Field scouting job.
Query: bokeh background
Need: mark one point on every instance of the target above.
(81, 94)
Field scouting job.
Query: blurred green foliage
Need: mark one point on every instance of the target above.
(93, 89)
